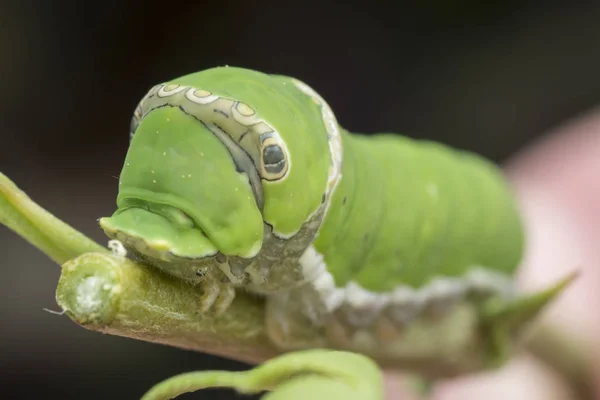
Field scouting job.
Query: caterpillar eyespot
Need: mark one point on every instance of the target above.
(200, 96)
(274, 163)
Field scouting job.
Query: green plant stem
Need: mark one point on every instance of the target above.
(115, 295)
(308, 374)
(52, 236)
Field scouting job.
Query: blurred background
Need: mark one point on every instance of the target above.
(487, 76)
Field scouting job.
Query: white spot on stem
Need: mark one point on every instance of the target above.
(89, 294)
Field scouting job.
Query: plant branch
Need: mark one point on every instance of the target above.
(56, 239)
(115, 295)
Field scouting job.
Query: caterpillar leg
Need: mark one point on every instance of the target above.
(300, 319)
(430, 344)
(217, 296)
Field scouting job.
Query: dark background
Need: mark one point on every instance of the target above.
(488, 76)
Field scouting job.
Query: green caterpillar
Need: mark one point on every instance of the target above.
(236, 179)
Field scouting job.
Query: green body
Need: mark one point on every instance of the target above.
(407, 211)
(239, 180)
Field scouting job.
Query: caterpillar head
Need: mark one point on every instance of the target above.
(215, 157)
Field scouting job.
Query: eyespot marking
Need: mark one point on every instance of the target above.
(201, 93)
(272, 154)
(245, 109)
(244, 114)
(169, 90)
(200, 96)
(274, 163)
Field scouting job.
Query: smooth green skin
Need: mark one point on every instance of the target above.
(310, 374)
(404, 212)
(297, 118)
(178, 162)
(414, 210)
